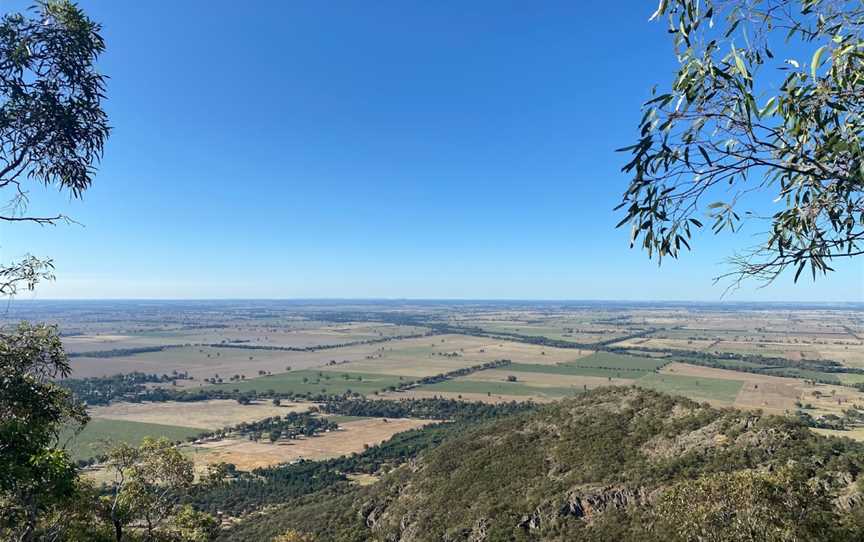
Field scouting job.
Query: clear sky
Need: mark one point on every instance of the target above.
(374, 149)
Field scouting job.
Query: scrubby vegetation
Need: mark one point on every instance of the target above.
(602, 466)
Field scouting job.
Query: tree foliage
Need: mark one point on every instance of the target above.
(747, 506)
(767, 101)
(35, 473)
(145, 481)
(52, 125)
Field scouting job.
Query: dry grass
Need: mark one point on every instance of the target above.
(213, 414)
(350, 438)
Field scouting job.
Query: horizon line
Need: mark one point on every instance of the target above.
(437, 299)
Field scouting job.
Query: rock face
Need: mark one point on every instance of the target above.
(586, 505)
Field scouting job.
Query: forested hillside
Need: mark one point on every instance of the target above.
(615, 463)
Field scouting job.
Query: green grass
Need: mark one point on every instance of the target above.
(573, 370)
(611, 360)
(850, 378)
(340, 419)
(693, 387)
(90, 442)
(499, 388)
(609, 364)
(794, 372)
(329, 382)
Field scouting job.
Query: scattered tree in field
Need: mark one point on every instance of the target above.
(742, 119)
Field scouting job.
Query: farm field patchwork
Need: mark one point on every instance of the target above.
(315, 382)
(772, 394)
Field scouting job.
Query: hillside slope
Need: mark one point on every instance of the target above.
(617, 463)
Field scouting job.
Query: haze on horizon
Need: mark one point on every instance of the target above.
(375, 151)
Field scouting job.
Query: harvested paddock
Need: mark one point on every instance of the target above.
(772, 394)
(350, 438)
(213, 414)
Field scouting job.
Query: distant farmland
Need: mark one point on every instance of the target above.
(315, 382)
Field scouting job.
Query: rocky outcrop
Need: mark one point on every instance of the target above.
(584, 504)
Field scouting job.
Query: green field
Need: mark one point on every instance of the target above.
(339, 418)
(693, 387)
(611, 361)
(603, 364)
(101, 433)
(850, 378)
(571, 369)
(309, 381)
(794, 372)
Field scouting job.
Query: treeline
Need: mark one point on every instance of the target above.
(539, 340)
(497, 364)
(101, 390)
(314, 348)
(121, 352)
(291, 426)
(427, 409)
(753, 363)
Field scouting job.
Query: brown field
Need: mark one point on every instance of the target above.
(424, 357)
(772, 394)
(350, 438)
(213, 414)
(829, 399)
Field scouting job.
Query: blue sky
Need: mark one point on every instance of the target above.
(383, 149)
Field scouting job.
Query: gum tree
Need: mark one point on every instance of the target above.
(52, 132)
(766, 111)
